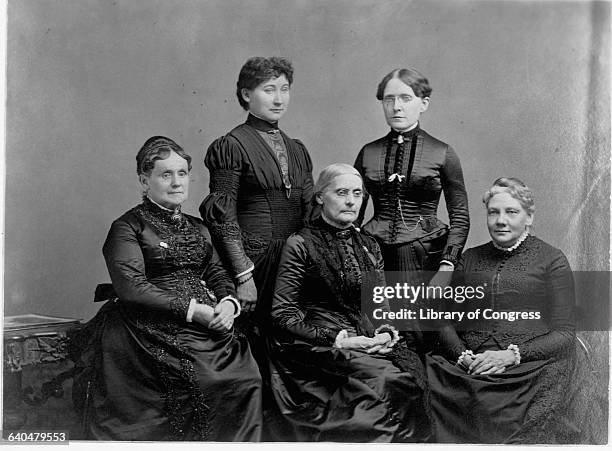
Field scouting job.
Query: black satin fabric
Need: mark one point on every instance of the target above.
(436, 169)
(330, 394)
(527, 402)
(152, 375)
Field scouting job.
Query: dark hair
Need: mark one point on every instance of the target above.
(412, 77)
(260, 69)
(157, 148)
(516, 188)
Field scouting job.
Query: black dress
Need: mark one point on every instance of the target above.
(155, 376)
(405, 179)
(525, 403)
(331, 394)
(252, 208)
(405, 174)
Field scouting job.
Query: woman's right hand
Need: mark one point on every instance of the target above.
(247, 295)
(466, 362)
(203, 314)
(363, 343)
(223, 317)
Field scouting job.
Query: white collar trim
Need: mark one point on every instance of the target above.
(514, 246)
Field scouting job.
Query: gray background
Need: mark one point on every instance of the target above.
(519, 89)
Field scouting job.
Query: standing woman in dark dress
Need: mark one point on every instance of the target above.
(341, 374)
(260, 185)
(497, 380)
(405, 172)
(163, 361)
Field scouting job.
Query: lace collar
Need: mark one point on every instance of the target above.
(515, 246)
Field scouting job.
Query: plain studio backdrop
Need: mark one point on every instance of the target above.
(519, 89)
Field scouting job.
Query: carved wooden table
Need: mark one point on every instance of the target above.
(37, 376)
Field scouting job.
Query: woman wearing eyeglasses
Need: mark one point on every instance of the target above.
(405, 172)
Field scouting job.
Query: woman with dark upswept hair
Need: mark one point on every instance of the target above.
(404, 173)
(260, 188)
(162, 361)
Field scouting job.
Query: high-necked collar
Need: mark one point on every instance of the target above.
(174, 216)
(335, 231)
(516, 248)
(407, 135)
(260, 124)
(161, 207)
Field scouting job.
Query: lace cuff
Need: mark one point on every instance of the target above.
(341, 336)
(465, 353)
(391, 331)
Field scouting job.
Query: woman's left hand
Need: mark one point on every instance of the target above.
(384, 344)
(443, 277)
(224, 317)
(491, 362)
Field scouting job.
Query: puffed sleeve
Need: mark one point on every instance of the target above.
(287, 316)
(307, 190)
(559, 316)
(451, 176)
(218, 210)
(125, 263)
(364, 204)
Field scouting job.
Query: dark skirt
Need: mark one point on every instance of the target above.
(524, 404)
(144, 382)
(409, 263)
(329, 394)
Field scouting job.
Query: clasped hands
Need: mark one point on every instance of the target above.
(220, 319)
(488, 362)
(378, 344)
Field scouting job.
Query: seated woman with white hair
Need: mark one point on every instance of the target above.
(336, 376)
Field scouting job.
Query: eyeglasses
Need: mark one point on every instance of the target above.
(390, 100)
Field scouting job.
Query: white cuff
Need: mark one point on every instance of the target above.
(237, 307)
(464, 354)
(341, 336)
(244, 273)
(452, 265)
(517, 353)
(191, 310)
(391, 331)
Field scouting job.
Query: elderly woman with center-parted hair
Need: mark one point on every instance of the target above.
(163, 362)
(504, 376)
(339, 374)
